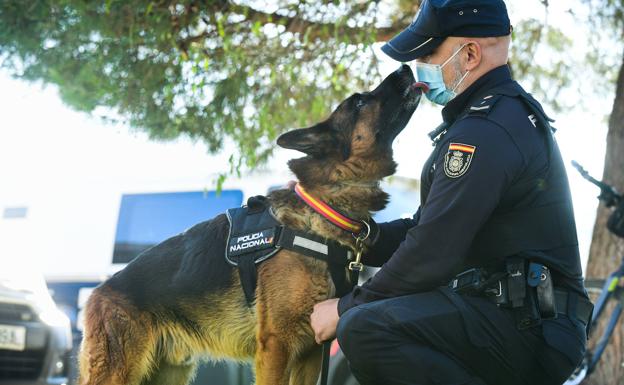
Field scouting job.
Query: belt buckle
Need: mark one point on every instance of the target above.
(494, 292)
(499, 298)
(500, 288)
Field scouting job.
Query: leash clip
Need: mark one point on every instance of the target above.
(359, 249)
(356, 266)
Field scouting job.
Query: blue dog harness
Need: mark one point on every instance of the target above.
(255, 235)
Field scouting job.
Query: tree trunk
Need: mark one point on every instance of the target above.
(606, 249)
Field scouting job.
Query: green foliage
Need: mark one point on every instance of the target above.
(550, 62)
(607, 15)
(540, 56)
(221, 70)
(212, 71)
(605, 49)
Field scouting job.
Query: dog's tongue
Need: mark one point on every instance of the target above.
(420, 86)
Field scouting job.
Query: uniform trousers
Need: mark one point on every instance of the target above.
(440, 337)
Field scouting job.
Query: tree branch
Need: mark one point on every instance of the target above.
(314, 30)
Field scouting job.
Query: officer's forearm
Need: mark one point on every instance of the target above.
(390, 236)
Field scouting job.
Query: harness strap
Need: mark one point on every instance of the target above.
(314, 246)
(325, 362)
(255, 235)
(336, 255)
(248, 277)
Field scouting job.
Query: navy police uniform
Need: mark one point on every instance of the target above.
(493, 190)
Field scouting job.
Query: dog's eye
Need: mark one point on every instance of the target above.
(360, 103)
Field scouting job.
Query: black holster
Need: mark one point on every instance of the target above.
(531, 292)
(525, 287)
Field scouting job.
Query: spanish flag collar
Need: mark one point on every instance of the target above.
(351, 225)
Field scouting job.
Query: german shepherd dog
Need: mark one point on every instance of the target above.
(180, 301)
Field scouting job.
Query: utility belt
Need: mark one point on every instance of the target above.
(527, 288)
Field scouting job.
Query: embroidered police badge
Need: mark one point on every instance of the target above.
(458, 159)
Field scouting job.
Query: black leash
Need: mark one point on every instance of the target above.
(354, 267)
(325, 362)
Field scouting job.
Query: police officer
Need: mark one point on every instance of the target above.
(484, 284)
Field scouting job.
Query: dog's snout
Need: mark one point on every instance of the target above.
(404, 78)
(404, 69)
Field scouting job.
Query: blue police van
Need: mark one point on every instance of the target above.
(145, 219)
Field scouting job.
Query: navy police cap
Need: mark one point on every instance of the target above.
(438, 19)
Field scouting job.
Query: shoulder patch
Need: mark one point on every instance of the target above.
(458, 159)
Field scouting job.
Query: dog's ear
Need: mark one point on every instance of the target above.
(315, 141)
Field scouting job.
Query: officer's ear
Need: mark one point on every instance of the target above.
(473, 55)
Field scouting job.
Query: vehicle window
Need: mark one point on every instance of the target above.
(147, 219)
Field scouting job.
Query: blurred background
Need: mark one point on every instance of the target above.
(121, 120)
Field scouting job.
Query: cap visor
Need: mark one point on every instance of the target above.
(407, 46)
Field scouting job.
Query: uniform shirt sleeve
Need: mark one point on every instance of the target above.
(455, 209)
(391, 234)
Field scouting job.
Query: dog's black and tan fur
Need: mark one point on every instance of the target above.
(180, 301)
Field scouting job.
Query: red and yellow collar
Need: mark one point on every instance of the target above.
(345, 223)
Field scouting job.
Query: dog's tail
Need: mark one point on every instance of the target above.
(117, 346)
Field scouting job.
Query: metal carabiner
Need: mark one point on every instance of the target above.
(359, 249)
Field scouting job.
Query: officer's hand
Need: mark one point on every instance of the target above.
(324, 320)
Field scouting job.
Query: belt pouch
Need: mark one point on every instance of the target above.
(539, 277)
(516, 282)
(528, 315)
(523, 301)
(468, 282)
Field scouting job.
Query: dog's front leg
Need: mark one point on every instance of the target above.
(271, 361)
(306, 368)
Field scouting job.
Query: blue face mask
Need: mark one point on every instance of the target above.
(431, 74)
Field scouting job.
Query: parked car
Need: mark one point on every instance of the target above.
(35, 336)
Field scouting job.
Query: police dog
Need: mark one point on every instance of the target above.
(180, 301)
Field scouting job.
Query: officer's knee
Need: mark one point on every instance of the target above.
(342, 330)
(346, 324)
(357, 339)
(356, 329)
